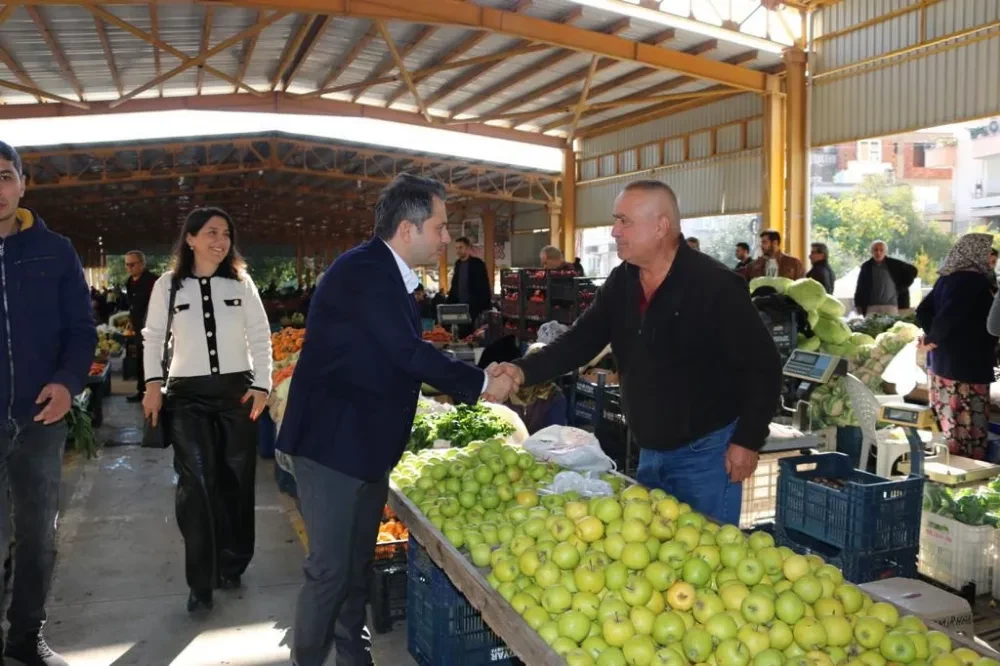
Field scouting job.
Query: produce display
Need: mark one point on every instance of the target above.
(297, 320)
(875, 324)
(391, 529)
(437, 334)
(97, 368)
(107, 346)
(286, 345)
(122, 323)
(640, 579)
(972, 506)
(459, 426)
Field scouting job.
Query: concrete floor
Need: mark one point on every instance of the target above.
(119, 596)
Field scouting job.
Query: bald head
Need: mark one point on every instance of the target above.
(647, 221)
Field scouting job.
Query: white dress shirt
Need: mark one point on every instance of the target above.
(219, 327)
(410, 280)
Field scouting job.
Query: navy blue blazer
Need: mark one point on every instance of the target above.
(355, 388)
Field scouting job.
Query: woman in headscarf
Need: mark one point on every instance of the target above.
(541, 405)
(960, 361)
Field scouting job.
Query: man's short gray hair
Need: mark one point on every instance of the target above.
(880, 242)
(551, 252)
(406, 198)
(138, 255)
(651, 185)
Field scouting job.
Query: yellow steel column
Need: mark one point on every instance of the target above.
(443, 271)
(774, 162)
(555, 225)
(796, 231)
(569, 204)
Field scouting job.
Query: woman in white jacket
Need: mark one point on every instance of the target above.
(217, 384)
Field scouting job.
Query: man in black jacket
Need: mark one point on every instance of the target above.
(700, 375)
(883, 283)
(821, 271)
(138, 288)
(469, 284)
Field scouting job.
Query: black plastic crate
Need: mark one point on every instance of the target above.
(388, 594)
(389, 553)
(858, 566)
(443, 629)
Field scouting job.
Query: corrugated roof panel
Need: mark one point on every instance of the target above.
(270, 47)
(718, 113)
(716, 186)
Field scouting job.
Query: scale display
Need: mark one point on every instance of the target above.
(450, 314)
(811, 366)
(913, 416)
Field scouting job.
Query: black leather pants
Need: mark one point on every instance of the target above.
(215, 456)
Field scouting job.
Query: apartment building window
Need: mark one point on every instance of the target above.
(920, 155)
(870, 150)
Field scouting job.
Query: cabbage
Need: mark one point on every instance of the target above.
(860, 339)
(891, 343)
(808, 344)
(780, 284)
(806, 292)
(906, 332)
(832, 331)
(813, 319)
(830, 306)
(845, 350)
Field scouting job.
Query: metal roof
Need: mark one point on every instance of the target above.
(87, 53)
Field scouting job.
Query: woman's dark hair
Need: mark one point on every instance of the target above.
(233, 266)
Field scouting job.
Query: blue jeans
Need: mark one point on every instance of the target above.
(30, 472)
(696, 474)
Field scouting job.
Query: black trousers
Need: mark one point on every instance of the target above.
(342, 516)
(215, 456)
(141, 371)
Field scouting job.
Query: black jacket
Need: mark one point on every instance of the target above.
(698, 360)
(903, 274)
(822, 273)
(479, 287)
(138, 292)
(951, 316)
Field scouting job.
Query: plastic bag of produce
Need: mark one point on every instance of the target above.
(903, 370)
(832, 331)
(830, 306)
(565, 482)
(779, 284)
(570, 448)
(806, 292)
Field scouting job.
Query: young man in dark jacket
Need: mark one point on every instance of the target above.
(700, 375)
(47, 340)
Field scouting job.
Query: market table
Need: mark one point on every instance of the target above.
(501, 617)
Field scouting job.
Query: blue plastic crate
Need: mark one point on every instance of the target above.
(858, 566)
(443, 629)
(868, 513)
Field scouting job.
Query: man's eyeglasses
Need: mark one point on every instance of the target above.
(130, 264)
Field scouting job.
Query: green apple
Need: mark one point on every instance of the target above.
(731, 553)
(575, 510)
(766, 590)
(729, 534)
(529, 561)
(757, 609)
(612, 656)
(636, 492)
(737, 618)
(636, 557)
(939, 642)
(721, 627)
(966, 656)
(562, 528)
(668, 628)
(673, 553)
(522, 601)
(614, 527)
(637, 590)
(669, 508)
(706, 605)
(755, 638)
(770, 558)
(574, 625)
(505, 533)
(769, 657)
(668, 657)
(945, 659)
(759, 541)
(808, 588)
(569, 582)
(610, 608)
(828, 606)
(521, 543)
(710, 554)
(481, 555)
(869, 632)
(608, 510)
(885, 612)
(789, 607)
(660, 575)
(689, 536)
(639, 650)
(578, 657)
(780, 635)
(587, 603)
(921, 643)
(911, 623)
(839, 632)
(563, 646)
(653, 546)
(692, 519)
(831, 572)
(566, 556)
(589, 578)
(661, 528)
(733, 595)
(642, 620)
(638, 510)
(547, 575)
(527, 498)
(850, 597)
(732, 652)
(809, 634)
(634, 530)
(557, 599)
(697, 645)
(616, 630)
(795, 567)
(898, 647)
(506, 570)
(614, 545)
(657, 602)
(507, 590)
(536, 616)
(696, 571)
(590, 529)
(615, 576)
(724, 577)
(594, 646)
(750, 571)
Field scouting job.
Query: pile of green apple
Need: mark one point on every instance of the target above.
(640, 579)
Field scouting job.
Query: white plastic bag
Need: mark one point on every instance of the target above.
(549, 331)
(586, 486)
(903, 370)
(570, 448)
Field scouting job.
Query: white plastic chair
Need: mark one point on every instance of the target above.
(866, 407)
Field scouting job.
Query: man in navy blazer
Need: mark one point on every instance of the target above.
(351, 407)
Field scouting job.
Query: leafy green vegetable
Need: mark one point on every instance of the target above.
(464, 424)
(806, 292)
(969, 506)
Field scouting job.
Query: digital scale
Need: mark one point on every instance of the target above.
(941, 467)
(453, 315)
(810, 369)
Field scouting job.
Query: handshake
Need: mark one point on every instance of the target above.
(504, 379)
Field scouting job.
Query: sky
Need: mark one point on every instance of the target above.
(119, 127)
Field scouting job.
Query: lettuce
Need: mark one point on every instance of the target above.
(830, 306)
(806, 292)
(832, 331)
(779, 284)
